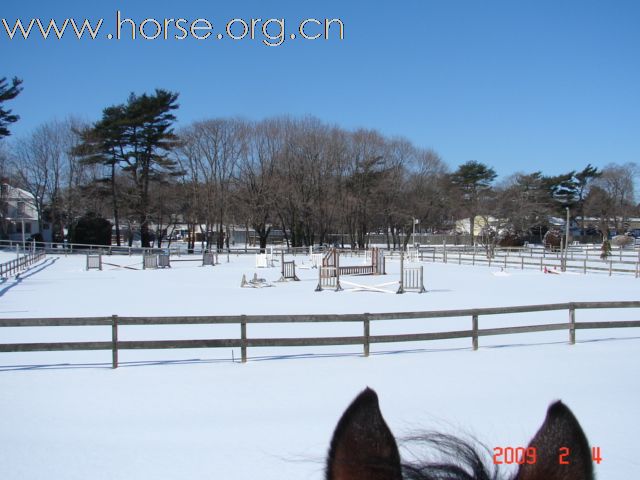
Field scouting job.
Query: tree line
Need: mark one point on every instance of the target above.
(304, 177)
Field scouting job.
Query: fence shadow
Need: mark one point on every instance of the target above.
(289, 357)
(108, 365)
(29, 272)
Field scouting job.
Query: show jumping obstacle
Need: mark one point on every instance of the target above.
(164, 260)
(153, 261)
(265, 260)
(255, 282)
(328, 278)
(376, 267)
(209, 259)
(288, 270)
(411, 279)
(94, 262)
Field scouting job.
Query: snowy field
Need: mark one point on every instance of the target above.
(199, 414)
(7, 256)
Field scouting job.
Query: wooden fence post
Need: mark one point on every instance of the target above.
(114, 340)
(367, 333)
(401, 287)
(243, 338)
(572, 324)
(474, 328)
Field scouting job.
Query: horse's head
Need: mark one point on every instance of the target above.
(363, 448)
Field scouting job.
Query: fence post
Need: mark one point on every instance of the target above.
(474, 328)
(401, 288)
(243, 338)
(114, 341)
(572, 324)
(367, 332)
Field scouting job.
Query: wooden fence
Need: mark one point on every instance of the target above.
(366, 339)
(535, 258)
(14, 267)
(175, 249)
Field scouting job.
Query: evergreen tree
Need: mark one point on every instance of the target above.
(104, 143)
(149, 138)
(525, 202)
(563, 191)
(473, 182)
(136, 136)
(569, 190)
(8, 93)
(583, 179)
(91, 229)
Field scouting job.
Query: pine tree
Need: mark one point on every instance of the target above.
(104, 143)
(8, 93)
(137, 137)
(563, 191)
(149, 137)
(473, 180)
(583, 178)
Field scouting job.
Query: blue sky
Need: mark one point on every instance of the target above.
(520, 85)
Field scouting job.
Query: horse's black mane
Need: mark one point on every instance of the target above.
(455, 459)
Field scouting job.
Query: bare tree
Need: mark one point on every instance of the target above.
(306, 170)
(192, 206)
(425, 198)
(614, 198)
(257, 179)
(38, 161)
(364, 175)
(219, 145)
(523, 201)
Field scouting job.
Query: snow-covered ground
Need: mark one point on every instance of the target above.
(7, 256)
(197, 414)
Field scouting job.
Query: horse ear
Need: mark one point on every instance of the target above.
(363, 447)
(562, 449)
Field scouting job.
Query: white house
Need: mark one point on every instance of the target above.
(463, 226)
(18, 215)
